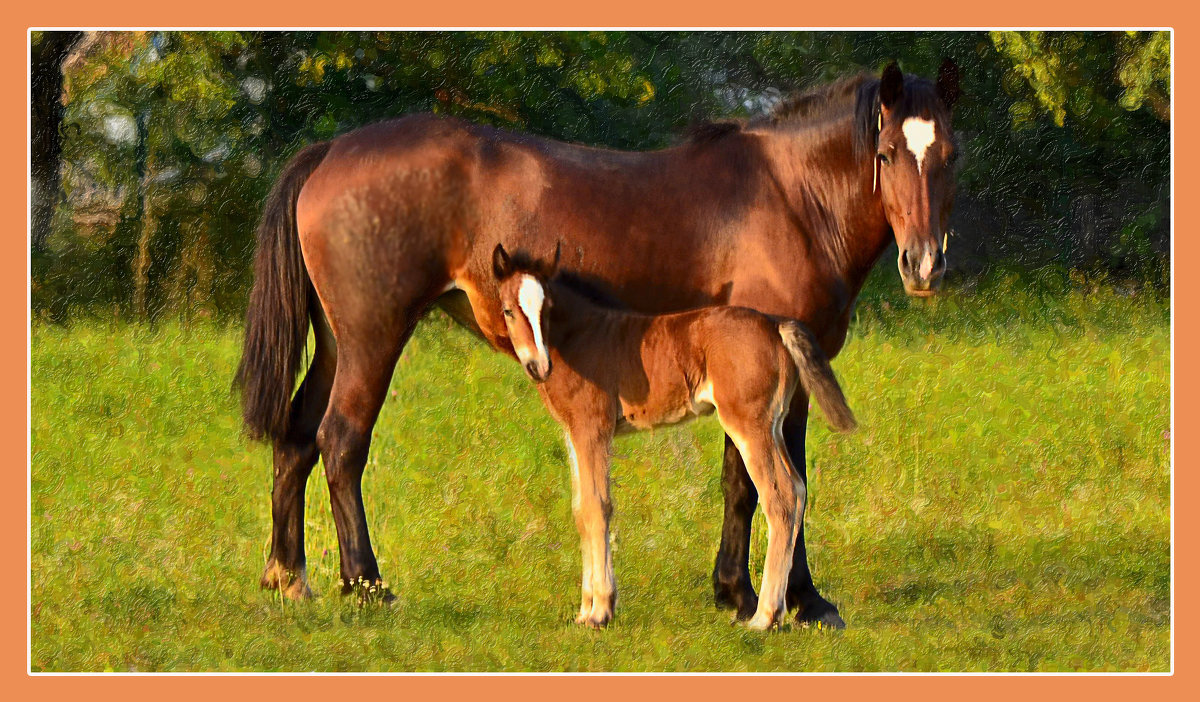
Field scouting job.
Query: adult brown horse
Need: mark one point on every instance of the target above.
(362, 234)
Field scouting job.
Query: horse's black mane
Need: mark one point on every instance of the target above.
(815, 104)
(821, 101)
(827, 101)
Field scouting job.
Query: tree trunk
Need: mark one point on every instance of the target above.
(147, 219)
(45, 111)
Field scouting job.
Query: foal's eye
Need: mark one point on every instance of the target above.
(508, 313)
(883, 158)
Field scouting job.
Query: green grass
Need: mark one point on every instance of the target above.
(1005, 506)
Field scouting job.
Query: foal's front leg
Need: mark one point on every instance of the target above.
(585, 544)
(592, 505)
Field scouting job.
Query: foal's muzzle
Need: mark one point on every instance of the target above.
(537, 372)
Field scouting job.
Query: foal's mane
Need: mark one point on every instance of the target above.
(522, 263)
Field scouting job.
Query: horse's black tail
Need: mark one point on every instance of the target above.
(816, 375)
(277, 318)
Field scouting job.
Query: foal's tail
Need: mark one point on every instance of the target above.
(816, 375)
(277, 318)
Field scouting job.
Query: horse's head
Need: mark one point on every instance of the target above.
(914, 170)
(522, 282)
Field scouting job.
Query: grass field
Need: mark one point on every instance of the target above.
(1005, 506)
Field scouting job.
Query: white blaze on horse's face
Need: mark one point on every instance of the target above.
(531, 298)
(918, 134)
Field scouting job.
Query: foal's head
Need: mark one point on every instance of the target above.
(915, 172)
(523, 298)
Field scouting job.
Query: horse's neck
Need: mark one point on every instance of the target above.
(823, 181)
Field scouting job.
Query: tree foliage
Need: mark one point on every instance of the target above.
(170, 140)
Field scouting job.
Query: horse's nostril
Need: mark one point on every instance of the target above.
(904, 258)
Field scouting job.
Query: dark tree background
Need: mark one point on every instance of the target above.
(152, 151)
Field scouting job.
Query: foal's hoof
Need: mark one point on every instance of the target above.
(594, 620)
(292, 584)
(762, 622)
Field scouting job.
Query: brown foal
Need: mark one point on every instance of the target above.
(618, 370)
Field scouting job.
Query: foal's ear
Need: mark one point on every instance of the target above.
(501, 263)
(947, 82)
(891, 86)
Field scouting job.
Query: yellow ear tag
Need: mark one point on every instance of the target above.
(945, 241)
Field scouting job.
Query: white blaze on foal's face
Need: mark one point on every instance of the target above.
(919, 134)
(531, 299)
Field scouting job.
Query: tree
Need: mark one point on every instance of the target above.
(48, 50)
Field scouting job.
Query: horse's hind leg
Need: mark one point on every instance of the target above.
(364, 370)
(295, 456)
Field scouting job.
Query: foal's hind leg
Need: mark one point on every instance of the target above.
(802, 593)
(781, 491)
(295, 456)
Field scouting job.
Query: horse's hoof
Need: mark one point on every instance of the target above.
(292, 584)
(742, 600)
(826, 617)
(368, 591)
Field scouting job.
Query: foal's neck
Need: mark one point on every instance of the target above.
(574, 315)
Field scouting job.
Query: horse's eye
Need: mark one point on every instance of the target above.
(508, 313)
(883, 158)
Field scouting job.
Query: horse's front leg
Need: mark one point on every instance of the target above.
(802, 593)
(592, 505)
(731, 575)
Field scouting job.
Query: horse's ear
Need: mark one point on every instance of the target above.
(947, 82)
(891, 86)
(501, 263)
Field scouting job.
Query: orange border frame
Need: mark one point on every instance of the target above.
(136, 13)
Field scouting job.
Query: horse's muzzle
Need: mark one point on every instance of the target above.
(921, 269)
